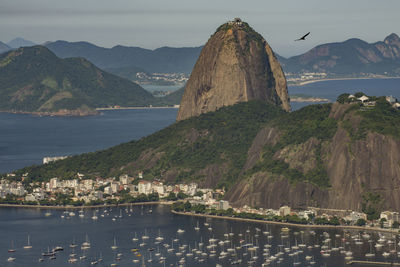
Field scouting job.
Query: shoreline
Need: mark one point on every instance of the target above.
(343, 227)
(126, 108)
(341, 79)
(73, 113)
(169, 203)
(85, 207)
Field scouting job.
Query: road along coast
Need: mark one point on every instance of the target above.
(314, 226)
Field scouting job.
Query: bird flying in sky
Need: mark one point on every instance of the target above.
(303, 38)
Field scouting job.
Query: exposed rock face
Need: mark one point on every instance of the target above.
(354, 167)
(235, 65)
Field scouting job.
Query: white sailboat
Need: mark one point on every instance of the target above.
(159, 238)
(94, 217)
(197, 228)
(114, 246)
(85, 245)
(28, 246)
(12, 247)
(81, 214)
(145, 236)
(135, 239)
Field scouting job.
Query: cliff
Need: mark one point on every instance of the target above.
(236, 65)
(359, 159)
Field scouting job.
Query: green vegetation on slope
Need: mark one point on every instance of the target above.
(190, 149)
(381, 118)
(34, 79)
(220, 137)
(173, 98)
(298, 127)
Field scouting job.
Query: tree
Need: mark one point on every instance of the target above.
(360, 222)
(395, 225)
(181, 195)
(334, 221)
(343, 98)
(359, 94)
(199, 194)
(171, 197)
(187, 206)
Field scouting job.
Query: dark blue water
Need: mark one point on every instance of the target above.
(152, 88)
(26, 139)
(48, 232)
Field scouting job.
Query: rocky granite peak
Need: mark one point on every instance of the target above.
(236, 65)
(392, 39)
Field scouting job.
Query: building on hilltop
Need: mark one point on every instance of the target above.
(52, 159)
(236, 21)
(391, 99)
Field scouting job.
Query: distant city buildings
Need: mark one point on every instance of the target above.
(161, 78)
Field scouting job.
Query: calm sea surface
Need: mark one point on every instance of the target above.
(262, 241)
(26, 139)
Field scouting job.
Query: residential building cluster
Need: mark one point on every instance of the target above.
(367, 102)
(99, 189)
(389, 217)
(11, 188)
(305, 76)
(175, 78)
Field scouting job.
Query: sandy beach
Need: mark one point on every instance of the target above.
(342, 79)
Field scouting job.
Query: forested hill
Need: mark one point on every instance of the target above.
(33, 79)
(333, 156)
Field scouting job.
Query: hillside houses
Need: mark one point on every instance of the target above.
(371, 101)
(88, 190)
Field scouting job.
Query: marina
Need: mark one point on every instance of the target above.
(153, 236)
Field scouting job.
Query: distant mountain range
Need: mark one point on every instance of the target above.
(15, 43)
(164, 59)
(20, 42)
(33, 79)
(349, 58)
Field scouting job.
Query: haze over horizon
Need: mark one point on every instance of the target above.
(178, 23)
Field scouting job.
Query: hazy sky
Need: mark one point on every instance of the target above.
(177, 23)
